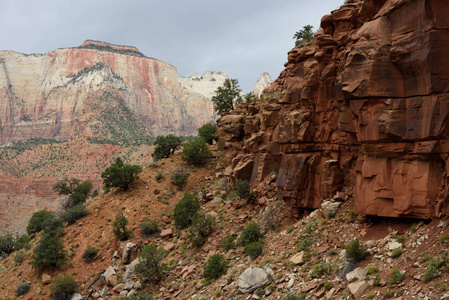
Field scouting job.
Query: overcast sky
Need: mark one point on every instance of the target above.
(239, 37)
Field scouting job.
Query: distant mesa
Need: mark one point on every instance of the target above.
(103, 46)
(263, 82)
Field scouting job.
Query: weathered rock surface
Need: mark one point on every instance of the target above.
(253, 278)
(364, 106)
(99, 90)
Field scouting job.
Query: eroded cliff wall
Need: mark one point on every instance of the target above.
(98, 90)
(363, 108)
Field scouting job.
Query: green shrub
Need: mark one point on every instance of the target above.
(254, 249)
(120, 175)
(18, 259)
(119, 227)
(396, 252)
(354, 251)
(165, 146)
(202, 226)
(444, 237)
(159, 176)
(22, 242)
(250, 234)
(436, 265)
(186, 210)
(179, 177)
(373, 270)
(149, 227)
(209, 132)
(90, 254)
(215, 267)
(140, 296)
(78, 192)
(195, 151)
(228, 243)
(7, 243)
(38, 220)
(74, 213)
(23, 288)
(321, 270)
(150, 266)
(243, 189)
(49, 253)
(63, 287)
(304, 244)
(395, 276)
(399, 238)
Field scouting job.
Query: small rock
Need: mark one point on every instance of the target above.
(129, 284)
(165, 219)
(46, 278)
(77, 296)
(298, 259)
(356, 274)
(213, 214)
(166, 233)
(138, 285)
(118, 287)
(310, 286)
(358, 288)
(394, 245)
(262, 200)
(169, 247)
(330, 207)
(290, 283)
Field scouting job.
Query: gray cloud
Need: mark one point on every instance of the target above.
(241, 38)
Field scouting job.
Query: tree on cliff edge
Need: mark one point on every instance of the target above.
(303, 36)
(227, 96)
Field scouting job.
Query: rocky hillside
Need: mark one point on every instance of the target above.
(305, 257)
(99, 90)
(361, 109)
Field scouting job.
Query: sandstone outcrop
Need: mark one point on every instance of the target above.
(99, 90)
(363, 108)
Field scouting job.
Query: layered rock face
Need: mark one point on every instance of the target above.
(364, 108)
(79, 92)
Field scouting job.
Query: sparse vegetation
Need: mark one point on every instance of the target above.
(23, 288)
(395, 276)
(39, 220)
(74, 213)
(215, 267)
(49, 253)
(120, 175)
(436, 265)
(179, 177)
(120, 229)
(149, 227)
(195, 151)
(303, 36)
(243, 189)
(354, 251)
(209, 132)
(90, 254)
(227, 96)
(202, 226)
(63, 287)
(7, 243)
(250, 234)
(396, 252)
(151, 267)
(228, 243)
(165, 146)
(186, 210)
(254, 249)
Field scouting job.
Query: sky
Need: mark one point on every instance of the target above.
(239, 37)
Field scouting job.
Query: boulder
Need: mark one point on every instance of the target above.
(298, 258)
(46, 278)
(130, 269)
(253, 278)
(77, 296)
(166, 233)
(130, 252)
(356, 275)
(358, 288)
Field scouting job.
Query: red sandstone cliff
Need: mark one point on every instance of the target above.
(364, 108)
(72, 93)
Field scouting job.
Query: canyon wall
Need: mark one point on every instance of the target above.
(363, 108)
(99, 90)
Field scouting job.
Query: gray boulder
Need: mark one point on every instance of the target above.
(253, 278)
